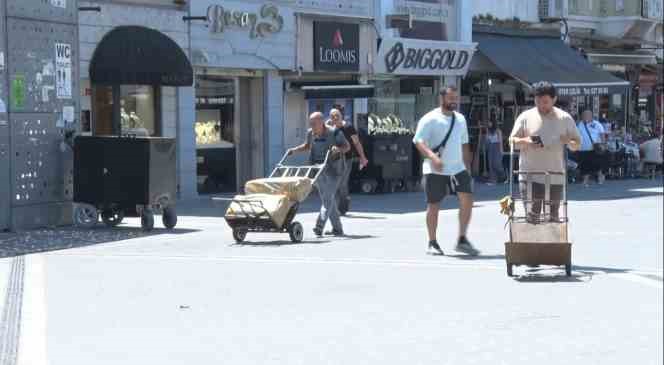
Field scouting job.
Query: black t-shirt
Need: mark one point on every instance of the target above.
(348, 131)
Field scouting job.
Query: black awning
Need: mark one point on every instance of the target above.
(338, 91)
(139, 56)
(539, 57)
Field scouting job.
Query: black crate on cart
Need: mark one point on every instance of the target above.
(124, 176)
(390, 164)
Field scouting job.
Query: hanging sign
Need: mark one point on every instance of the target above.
(63, 64)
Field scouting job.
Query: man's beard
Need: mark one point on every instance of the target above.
(450, 106)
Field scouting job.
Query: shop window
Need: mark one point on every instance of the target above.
(137, 111)
(215, 106)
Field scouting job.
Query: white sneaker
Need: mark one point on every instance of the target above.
(601, 178)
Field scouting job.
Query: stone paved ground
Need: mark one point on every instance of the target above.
(194, 297)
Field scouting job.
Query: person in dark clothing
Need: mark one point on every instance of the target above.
(343, 194)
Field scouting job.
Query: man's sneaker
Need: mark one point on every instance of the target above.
(464, 246)
(318, 232)
(333, 232)
(434, 248)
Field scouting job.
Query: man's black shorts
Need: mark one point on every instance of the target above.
(437, 187)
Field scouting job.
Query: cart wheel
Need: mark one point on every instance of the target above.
(147, 220)
(85, 215)
(239, 235)
(368, 186)
(169, 217)
(112, 217)
(568, 269)
(296, 232)
(509, 270)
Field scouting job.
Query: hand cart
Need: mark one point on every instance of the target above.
(538, 237)
(255, 217)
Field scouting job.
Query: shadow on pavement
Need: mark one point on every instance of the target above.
(413, 202)
(477, 258)
(552, 278)
(55, 239)
(280, 243)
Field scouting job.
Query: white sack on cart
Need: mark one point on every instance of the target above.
(253, 205)
(295, 188)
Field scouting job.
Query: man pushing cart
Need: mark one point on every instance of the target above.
(271, 204)
(539, 235)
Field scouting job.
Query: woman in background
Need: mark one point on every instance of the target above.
(495, 150)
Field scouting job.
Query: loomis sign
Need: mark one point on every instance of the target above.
(415, 57)
(63, 81)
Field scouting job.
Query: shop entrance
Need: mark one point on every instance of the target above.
(215, 134)
(228, 131)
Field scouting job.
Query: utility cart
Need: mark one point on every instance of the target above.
(124, 176)
(538, 238)
(272, 203)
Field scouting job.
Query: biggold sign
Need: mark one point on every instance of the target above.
(415, 57)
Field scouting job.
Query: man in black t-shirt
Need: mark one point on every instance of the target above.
(337, 121)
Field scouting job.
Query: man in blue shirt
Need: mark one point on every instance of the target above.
(442, 139)
(320, 140)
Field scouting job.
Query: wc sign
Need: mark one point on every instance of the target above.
(63, 80)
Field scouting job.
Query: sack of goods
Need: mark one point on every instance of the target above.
(295, 188)
(259, 206)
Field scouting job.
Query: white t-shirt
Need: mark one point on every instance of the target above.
(596, 131)
(432, 129)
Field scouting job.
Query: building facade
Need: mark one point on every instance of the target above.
(39, 111)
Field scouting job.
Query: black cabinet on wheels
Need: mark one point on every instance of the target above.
(124, 176)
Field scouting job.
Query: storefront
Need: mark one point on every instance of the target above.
(333, 56)
(238, 52)
(498, 83)
(136, 76)
(417, 55)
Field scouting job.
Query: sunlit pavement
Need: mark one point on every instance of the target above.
(193, 296)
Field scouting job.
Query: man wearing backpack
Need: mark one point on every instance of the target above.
(442, 140)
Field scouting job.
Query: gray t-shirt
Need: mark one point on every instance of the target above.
(320, 145)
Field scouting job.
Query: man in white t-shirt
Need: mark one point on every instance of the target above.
(590, 162)
(442, 140)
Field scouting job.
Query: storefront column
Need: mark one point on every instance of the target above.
(274, 119)
(186, 141)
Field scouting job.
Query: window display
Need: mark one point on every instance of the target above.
(137, 110)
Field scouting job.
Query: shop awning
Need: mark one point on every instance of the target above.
(535, 56)
(139, 56)
(617, 57)
(337, 91)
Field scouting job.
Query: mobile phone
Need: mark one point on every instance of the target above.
(537, 140)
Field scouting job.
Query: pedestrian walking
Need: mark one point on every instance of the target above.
(541, 135)
(591, 153)
(442, 140)
(321, 139)
(343, 193)
(495, 151)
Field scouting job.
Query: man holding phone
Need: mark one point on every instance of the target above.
(541, 134)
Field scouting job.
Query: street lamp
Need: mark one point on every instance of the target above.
(553, 20)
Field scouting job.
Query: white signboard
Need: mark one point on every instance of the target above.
(401, 56)
(443, 11)
(59, 3)
(351, 8)
(63, 67)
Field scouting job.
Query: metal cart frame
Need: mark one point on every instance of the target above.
(255, 217)
(535, 252)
